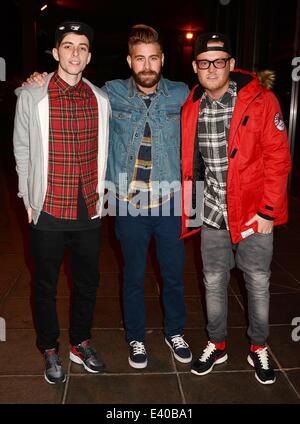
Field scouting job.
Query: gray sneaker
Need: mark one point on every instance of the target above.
(85, 355)
(54, 372)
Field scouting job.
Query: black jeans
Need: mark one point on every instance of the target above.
(48, 249)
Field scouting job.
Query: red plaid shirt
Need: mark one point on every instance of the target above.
(73, 148)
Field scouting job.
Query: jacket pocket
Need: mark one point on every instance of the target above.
(120, 121)
(171, 130)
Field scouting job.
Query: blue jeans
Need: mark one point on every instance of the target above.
(134, 234)
(253, 256)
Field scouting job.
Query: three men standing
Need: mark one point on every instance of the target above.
(233, 136)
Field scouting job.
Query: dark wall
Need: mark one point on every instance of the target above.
(262, 34)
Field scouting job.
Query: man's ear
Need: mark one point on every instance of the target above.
(129, 60)
(162, 59)
(55, 54)
(232, 64)
(89, 58)
(194, 65)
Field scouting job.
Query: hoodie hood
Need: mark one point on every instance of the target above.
(36, 91)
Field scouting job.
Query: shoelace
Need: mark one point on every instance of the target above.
(178, 342)
(52, 358)
(138, 348)
(210, 348)
(263, 357)
(89, 352)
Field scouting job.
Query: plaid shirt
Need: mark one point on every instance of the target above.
(213, 129)
(141, 180)
(73, 149)
(140, 188)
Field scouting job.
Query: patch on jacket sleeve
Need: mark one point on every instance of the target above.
(278, 121)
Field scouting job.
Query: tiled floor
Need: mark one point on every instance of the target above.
(164, 381)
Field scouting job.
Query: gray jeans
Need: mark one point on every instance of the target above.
(253, 256)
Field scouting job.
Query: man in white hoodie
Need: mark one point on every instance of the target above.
(60, 146)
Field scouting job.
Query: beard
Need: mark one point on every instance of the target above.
(146, 79)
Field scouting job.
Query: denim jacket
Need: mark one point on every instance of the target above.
(129, 115)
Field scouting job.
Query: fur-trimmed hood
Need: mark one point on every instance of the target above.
(266, 78)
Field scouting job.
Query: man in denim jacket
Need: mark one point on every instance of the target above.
(144, 167)
(143, 178)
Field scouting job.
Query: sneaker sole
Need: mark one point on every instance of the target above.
(179, 358)
(138, 365)
(217, 362)
(250, 361)
(77, 360)
(54, 382)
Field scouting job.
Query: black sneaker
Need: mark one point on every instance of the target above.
(179, 348)
(85, 355)
(137, 355)
(54, 372)
(209, 358)
(259, 359)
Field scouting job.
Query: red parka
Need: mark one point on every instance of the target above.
(258, 158)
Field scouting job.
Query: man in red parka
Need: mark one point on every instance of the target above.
(234, 138)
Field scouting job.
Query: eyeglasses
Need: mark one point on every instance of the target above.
(218, 63)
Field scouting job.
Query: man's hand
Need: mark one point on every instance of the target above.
(29, 214)
(264, 226)
(37, 78)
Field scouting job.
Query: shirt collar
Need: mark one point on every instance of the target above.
(65, 88)
(225, 99)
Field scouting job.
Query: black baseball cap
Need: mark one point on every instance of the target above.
(77, 27)
(203, 39)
